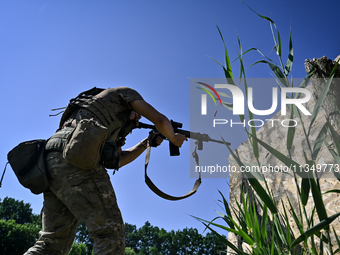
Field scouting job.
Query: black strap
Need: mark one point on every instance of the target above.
(160, 193)
(2, 177)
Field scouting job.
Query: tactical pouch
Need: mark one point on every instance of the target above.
(84, 146)
(28, 163)
(110, 157)
(58, 140)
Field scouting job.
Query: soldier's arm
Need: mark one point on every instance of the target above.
(129, 155)
(161, 122)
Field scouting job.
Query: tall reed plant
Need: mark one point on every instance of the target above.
(270, 231)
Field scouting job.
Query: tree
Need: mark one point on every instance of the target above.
(19, 228)
(129, 251)
(78, 249)
(16, 238)
(17, 210)
(83, 236)
(150, 240)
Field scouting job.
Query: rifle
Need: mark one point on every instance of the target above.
(174, 150)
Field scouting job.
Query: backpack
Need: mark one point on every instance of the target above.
(28, 163)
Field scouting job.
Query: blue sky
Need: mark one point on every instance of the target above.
(52, 50)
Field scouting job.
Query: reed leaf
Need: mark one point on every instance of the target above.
(261, 192)
(284, 159)
(254, 143)
(227, 70)
(295, 217)
(333, 191)
(321, 98)
(256, 226)
(321, 225)
(305, 188)
(225, 241)
(337, 146)
(337, 159)
(252, 128)
(291, 130)
(247, 214)
(256, 175)
(264, 222)
(279, 230)
(337, 241)
(276, 70)
(319, 141)
(334, 136)
(318, 201)
(321, 247)
(273, 241)
(288, 229)
(263, 17)
(290, 59)
(242, 71)
(329, 243)
(306, 80)
(278, 44)
(239, 231)
(305, 183)
(255, 49)
(227, 209)
(241, 216)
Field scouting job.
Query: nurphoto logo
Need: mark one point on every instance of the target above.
(288, 96)
(238, 100)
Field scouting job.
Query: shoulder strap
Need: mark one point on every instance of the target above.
(71, 107)
(160, 193)
(2, 177)
(90, 92)
(89, 101)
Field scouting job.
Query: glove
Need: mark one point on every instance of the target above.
(155, 138)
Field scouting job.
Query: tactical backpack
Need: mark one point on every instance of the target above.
(28, 163)
(85, 144)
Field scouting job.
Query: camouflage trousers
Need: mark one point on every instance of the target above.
(76, 195)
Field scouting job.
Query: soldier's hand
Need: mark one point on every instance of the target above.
(156, 139)
(178, 139)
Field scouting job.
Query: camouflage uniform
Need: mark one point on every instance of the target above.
(77, 195)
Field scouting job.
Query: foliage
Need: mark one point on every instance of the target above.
(78, 249)
(154, 241)
(271, 232)
(83, 237)
(19, 211)
(129, 251)
(19, 228)
(16, 237)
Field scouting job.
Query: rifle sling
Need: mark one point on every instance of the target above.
(160, 193)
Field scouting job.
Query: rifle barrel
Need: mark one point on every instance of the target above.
(189, 134)
(199, 136)
(144, 125)
(218, 141)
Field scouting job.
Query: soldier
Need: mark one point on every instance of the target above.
(86, 195)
